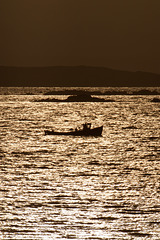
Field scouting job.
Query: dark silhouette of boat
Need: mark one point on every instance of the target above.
(85, 131)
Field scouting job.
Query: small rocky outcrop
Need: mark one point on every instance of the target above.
(86, 98)
(155, 100)
(77, 98)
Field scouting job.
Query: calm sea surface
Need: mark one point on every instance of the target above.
(66, 187)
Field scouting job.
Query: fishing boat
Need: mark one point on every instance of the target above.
(85, 131)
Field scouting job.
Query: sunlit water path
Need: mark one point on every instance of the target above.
(65, 187)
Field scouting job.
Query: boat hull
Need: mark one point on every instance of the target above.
(88, 132)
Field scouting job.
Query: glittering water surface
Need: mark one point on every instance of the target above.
(65, 187)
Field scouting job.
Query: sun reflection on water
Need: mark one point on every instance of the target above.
(55, 187)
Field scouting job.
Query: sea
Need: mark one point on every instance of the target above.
(73, 187)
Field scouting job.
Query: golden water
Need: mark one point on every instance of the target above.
(65, 187)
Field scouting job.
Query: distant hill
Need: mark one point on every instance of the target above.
(78, 76)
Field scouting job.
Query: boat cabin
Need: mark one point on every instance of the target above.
(86, 126)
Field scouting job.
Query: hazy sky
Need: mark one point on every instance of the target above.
(121, 34)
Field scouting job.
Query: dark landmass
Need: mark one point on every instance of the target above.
(129, 127)
(155, 100)
(80, 76)
(77, 98)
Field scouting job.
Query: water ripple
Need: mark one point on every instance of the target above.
(55, 187)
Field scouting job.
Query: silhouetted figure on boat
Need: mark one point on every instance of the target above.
(86, 126)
